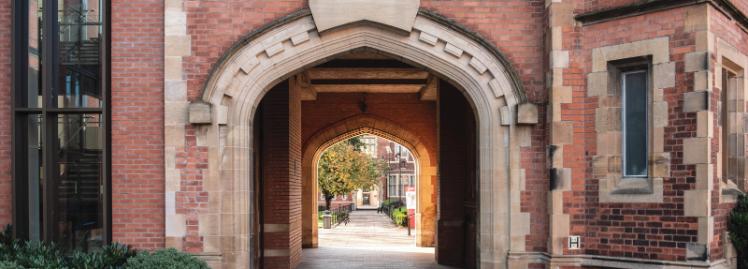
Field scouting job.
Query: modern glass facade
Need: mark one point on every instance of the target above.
(60, 122)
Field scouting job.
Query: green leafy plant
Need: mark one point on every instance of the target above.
(738, 227)
(44, 255)
(400, 216)
(108, 257)
(36, 254)
(10, 265)
(343, 168)
(165, 259)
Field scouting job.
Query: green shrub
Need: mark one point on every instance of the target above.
(738, 227)
(43, 255)
(165, 259)
(400, 216)
(9, 265)
(111, 256)
(16, 254)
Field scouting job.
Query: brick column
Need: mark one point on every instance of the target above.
(6, 200)
(281, 162)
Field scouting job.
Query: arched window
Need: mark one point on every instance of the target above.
(60, 139)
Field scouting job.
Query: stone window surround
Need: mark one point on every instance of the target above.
(603, 81)
(729, 57)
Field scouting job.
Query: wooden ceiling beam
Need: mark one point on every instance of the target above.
(429, 92)
(366, 73)
(367, 88)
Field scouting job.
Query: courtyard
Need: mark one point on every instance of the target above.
(369, 240)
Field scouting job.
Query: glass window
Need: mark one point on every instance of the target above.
(634, 120)
(33, 94)
(60, 175)
(80, 54)
(392, 188)
(733, 152)
(78, 165)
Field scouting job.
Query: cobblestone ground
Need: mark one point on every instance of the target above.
(368, 241)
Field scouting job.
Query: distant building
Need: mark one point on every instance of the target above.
(402, 168)
(401, 173)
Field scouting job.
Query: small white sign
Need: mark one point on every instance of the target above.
(575, 242)
(410, 197)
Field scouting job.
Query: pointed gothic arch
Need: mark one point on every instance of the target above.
(366, 124)
(271, 54)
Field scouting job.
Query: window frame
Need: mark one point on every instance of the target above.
(647, 120)
(725, 122)
(731, 72)
(19, 74)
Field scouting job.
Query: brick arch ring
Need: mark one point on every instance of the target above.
(366, 124)
(287, 46)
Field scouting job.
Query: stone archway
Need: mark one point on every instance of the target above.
(248, 70)
(365, 124)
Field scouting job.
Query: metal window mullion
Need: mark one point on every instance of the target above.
(104, 60)
(50, 70)
(19, 30)
(624, 153)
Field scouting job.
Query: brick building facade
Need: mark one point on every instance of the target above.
(534, 121)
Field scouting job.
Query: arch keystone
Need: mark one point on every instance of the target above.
(329, 14)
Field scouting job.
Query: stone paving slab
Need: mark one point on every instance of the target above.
(369, 240)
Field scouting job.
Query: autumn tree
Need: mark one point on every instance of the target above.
(343, 168)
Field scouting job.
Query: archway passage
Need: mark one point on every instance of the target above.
(234, 121)
(365, 92)
(374, 226)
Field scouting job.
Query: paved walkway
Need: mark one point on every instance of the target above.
(369, 240)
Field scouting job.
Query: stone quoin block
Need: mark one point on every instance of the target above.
(527, 114)
(200, 113)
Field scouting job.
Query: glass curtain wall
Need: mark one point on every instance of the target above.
(60, 126)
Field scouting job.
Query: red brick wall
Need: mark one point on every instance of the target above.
(281, 162)
(137, 103)
(5, 114)
(640, 230)
(723, 28)
(191, 199)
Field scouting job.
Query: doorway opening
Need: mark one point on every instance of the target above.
(350, 227)
(367, 95)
